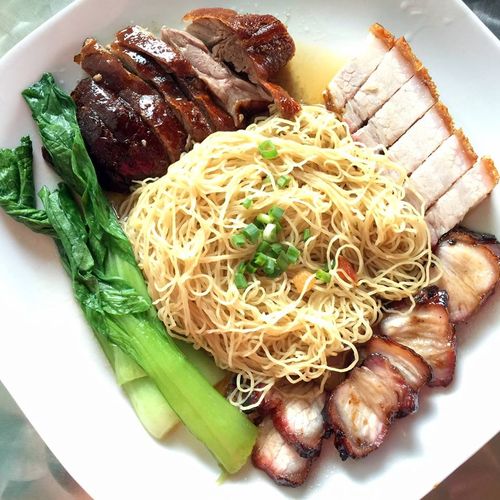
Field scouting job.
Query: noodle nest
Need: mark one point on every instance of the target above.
(294, 327)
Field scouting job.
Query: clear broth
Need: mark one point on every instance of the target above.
(307, 75)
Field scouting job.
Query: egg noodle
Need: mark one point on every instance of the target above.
(279, 329)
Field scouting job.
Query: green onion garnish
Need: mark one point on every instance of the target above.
(282, 262)
(270, 233)
(240, 281)
(268, 150)
(276, 249)
(259, 260)
(250, 268)
(241, 268)
(323, 276)
(247, 202)
(267, 180)
(283, 181)
(238, 240)
(264, 247)
(252, 233)
(270, 267)
(307, 234)
(264, 219)
(292, 254)
(276, 213)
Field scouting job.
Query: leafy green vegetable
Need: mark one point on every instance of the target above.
(17, 191)
(109, 285)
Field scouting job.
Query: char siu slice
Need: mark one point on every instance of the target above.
(139, 153)
(427, 330)
(471, 270)
(360, 411)
(108, 72)
(414, 369)
(237, 96)
(187, 112)
(256, 45)
(277, 458)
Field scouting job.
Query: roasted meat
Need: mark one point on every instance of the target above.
(256, 45)
(414, 369)
(400, 112)
(236, 95)
(442, 168)
(109, 73)
(464, 195)
(471, 270)
(360, 411)
(277, 458)
(122, 147)
(187, 112)
(427, 330)
(351, 77)
(422, 138)
(138, 39)
(395, 69)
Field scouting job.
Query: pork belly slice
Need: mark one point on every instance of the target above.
(254, 44)
(135, 151)
(138, 39)
(236, 95)
(471, 270)
(400, 112)
(395, 69)
(349, 79)
(187, 112)
(414, 369)
(407, 397)
(278, 459)
(360, 411)
(427, 330)
(443, 167)
(108, 71)
(464, 195)
(422, 138)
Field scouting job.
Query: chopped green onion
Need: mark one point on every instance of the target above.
(282, 262)
(252, 233)
(276, 213)
(240, 281)
(307, 234)
(250, 268)
(260, 260)
(278, 227)
(264, 247)
(267, 180)
(247, 202)
(268, 150)
(241, 268)
(276, 249)
(264, 219)
(292, 254)
(270, 233)
(283, 181)
(238, 240)
(323, 276)
(270, 267)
